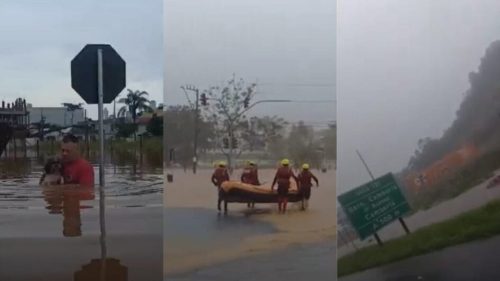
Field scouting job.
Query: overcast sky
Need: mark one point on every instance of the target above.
(287, 46)
(402, 72)
(40, 38)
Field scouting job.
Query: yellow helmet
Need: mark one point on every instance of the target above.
(222, 164)
(251, 163)
(285, 162)
(305, 166)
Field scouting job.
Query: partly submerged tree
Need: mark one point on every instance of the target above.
(303, 147)
(329, 141)
(155, 126)
(179, 129)
(265, 133)
(135, 103)
(125, 130)
(225, 111)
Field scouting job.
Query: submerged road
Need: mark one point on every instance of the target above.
(305, 262)
(475, 261)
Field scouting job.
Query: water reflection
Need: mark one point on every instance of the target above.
(126, 185)
(39, 226)
(65, 200)
(94, 271)
(15, 168)
(117, 161)
(103, 269)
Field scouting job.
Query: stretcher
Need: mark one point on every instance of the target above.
(238, 192)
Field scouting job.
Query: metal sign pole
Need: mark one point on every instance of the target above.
(100, 83)
(379, 242)
(100, 86)
(403, 224)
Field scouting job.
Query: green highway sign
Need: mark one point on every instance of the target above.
(374, 205)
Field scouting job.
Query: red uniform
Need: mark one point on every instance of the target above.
(282, 177)
(219, 176)
(305, 183)
(250, 176)
(79, 172)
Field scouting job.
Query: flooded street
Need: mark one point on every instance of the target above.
(201, 241)
(315, 261)
(55, 233)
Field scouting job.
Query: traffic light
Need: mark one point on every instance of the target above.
(203, 99)
(234, 143)
(225, 141)
(246, 101)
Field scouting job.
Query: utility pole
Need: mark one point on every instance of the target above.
(196, 119)
(196, 123)
(42, 124)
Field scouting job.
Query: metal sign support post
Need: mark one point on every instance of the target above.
(379, 242)
(100, 90)
(405, 227)
(100, 87)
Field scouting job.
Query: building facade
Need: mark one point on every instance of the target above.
(56, 115)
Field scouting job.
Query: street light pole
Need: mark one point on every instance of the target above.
(196, 124)
(261, 101)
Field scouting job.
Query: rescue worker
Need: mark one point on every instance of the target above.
(219, 176)
(282, 178)
(305, 177)
(250, 176)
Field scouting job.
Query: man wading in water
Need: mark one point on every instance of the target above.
(250, 176)
(282, 177)
(305, 177)
(219, 176)
(76, 170)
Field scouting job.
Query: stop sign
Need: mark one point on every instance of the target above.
(84, 78)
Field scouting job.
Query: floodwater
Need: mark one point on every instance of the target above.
(315, 261)
(57, 233)
(184, 226)
(200, 242)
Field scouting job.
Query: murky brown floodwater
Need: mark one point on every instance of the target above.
(56, 233)
(200, 241)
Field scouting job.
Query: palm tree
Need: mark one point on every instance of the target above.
(135, 102)
(72, 107)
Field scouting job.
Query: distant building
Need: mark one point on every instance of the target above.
(105, 113)
(56, 115)
(15, 114)
(152, 104)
